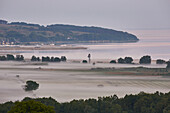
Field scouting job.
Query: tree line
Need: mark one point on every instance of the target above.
(11, 57)
(127, 60)
(139, 103)
(49, 59)
(143, 60)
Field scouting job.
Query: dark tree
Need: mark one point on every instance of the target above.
(63, 58)
(3, 58)
(33, 58)
(3, 22)
(10, 57)
(31, 85)
(38, 58)
(56, 59)
(43, 59)
(145, 60)
(84, 61)
(128, 60)
(19, 57)
(89, 56)
(168, 65)
(113, 61)
(160, 61)
(46, 59)
(52, 59)
(121, 60)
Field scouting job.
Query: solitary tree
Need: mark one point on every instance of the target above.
(89, 56)
(145, 60)
(84, 61)
(31, 85)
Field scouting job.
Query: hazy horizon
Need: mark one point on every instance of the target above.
(114, 14)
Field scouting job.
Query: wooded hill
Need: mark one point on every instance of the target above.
(24, 32)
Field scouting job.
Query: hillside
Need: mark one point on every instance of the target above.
(24, 32)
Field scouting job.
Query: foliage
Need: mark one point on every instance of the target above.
(11, 57)
(140, 103)
(3, 58)
(34, 58)
(121, 60)
(31, 85)
(31, 106)
(113, 61)
(63, 58)
(168, 65)
(4, 108)
(84, 61)
(145, 60)
(128, 60)
(52, 59)
(160, 61)
(19, 57)
(3, 22)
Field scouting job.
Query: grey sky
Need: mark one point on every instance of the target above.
(116, 14)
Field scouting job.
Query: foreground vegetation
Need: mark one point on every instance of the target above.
(141, 103)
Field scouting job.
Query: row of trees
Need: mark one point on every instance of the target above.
(140, 103)
(143, 60)
(49, 59)
(127, 60)
(11, 57)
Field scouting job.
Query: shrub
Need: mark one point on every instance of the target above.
(113, 61)
(84, 61)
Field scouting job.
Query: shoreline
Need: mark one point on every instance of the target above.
(41, 48)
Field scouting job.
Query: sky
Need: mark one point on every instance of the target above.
(115, 14)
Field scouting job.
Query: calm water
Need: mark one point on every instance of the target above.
(152, 42)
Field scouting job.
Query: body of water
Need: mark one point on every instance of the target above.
(152, 42)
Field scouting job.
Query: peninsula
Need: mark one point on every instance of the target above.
(21, 32)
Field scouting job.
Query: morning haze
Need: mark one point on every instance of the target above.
(116, 14)
(48, 66)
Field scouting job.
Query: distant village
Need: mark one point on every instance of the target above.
(7, 43)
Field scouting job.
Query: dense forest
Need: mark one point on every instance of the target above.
(24, 32)
(140, 103)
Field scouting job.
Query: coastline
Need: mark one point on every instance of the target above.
(40, 48)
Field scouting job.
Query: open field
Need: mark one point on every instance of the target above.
(67, 81)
